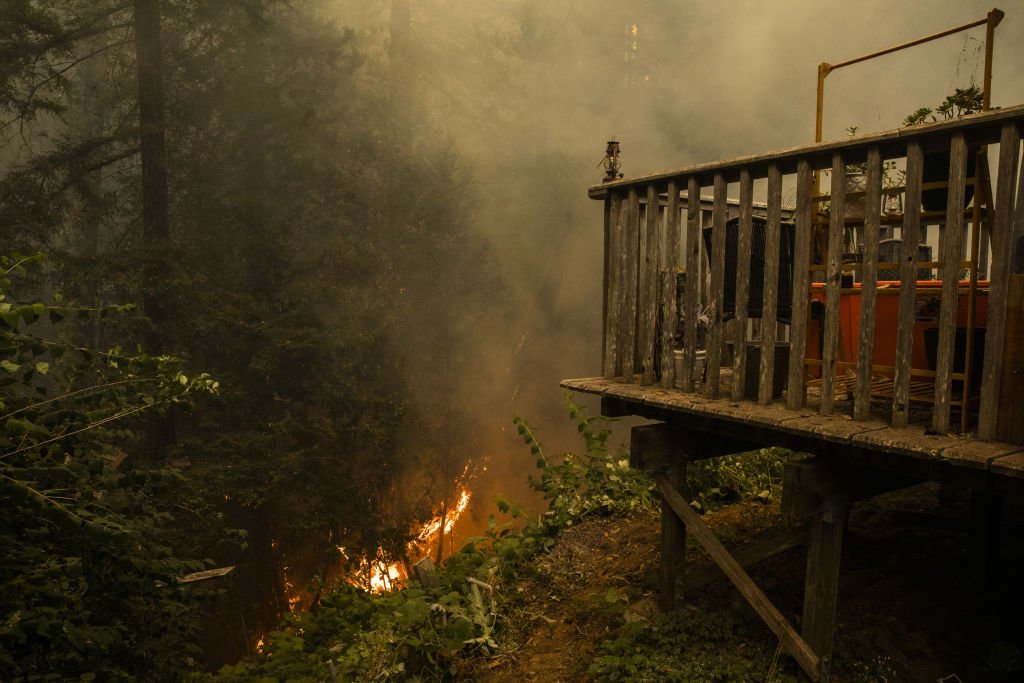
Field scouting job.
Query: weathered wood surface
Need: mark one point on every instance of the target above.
(908, 278)
(952, 247)
(715, 295)
(673, 542)
(743, 240)
(869, 286)
(833, 276)
(821, 582)
(631, 235)
(770, 287)
(983, 128)
(613, 287)
(780, 626)
(693, 270)
(670, 269)
(870, 439)
(1002, 248)
(650, 260)
(796, 392)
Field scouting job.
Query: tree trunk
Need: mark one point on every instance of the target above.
(155, 221)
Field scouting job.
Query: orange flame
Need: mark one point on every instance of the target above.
(386, 576)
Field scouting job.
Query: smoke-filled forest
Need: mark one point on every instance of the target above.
(275, 276)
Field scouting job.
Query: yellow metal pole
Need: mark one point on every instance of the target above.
(994, 17)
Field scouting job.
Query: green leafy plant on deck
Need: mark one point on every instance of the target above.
(86, 571)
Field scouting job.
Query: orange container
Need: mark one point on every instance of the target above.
(926, 316)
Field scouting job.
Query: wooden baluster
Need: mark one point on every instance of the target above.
(693, 273)
(613, 285)
(869, 285)
(670, 314)
(769, 305)
(833, 278)
(1002, 247)
(650, 259)
(715, 298)
(631, 235)
(743, 240)
(796, 391)
(952, 248)
(911, 237)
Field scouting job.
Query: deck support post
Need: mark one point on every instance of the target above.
(658, 447)
(821, 583)
(673, 544)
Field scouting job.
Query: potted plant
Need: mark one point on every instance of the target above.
(961, 102)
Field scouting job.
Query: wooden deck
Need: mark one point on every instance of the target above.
(913, 450)
(888, 366)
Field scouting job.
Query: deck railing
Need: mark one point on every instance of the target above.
(653, 235)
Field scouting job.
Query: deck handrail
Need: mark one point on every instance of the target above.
(653, 233)
(981, 128)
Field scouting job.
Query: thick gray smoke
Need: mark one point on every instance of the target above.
(528, 91)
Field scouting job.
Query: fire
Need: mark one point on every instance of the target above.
(386, 576)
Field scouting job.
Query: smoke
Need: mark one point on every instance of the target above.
(529, 91)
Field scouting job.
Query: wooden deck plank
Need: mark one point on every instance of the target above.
(869, 285)
(977, 453)
(1002, 238)
(1009, 466)
(743, 240)
(908, 276)
(873, 435)
(770, 288)
(915, 441)
(952, 245)
(796, 393)
(670, 260)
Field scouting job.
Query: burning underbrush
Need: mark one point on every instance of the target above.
(381, 572)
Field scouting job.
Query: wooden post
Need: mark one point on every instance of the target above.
(628, 322)
(869, 286)
(821, 583)
(670, 259)
(613, 284)
(673, 543)
(908, 285)
(833, 278)
(693, 273)
(649, 262)
(770, 288)
(715, 297)
(743, 240)
(952, 252)
(795, 390)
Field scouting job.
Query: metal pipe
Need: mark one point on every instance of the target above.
(990, 21)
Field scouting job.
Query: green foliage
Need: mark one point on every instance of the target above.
(960, 102)
(595, 481)
(753, 475)
(687, 645)
(86, 572)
